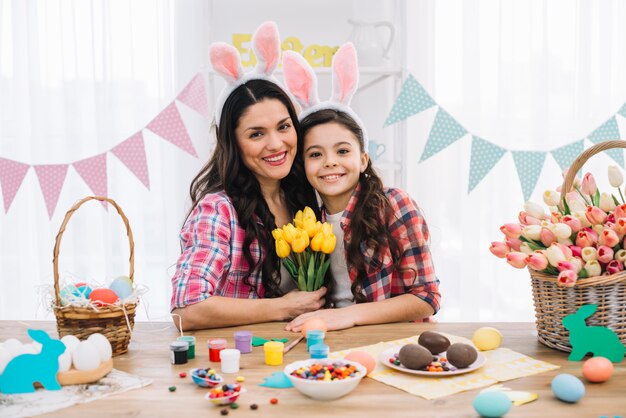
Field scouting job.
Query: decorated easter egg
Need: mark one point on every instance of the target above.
(68, 293)
(85, 356)
(597, 369)
(102, 344)
(82, 290)
(122, 286)
(568, 388)
(103, 297)
(461, 355)
(414, 356)
(492, 404)
(65, 360)
(313, 323)
(71, 342)
(433, 342)
(363, 358)
(487, 338)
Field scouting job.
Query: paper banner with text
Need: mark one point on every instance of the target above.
(168, 124)
(446, 130)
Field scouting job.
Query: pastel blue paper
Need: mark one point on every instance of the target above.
(622, 111)
(609, 131)
(484, 156)
(277, 380)
(565, 156)
(529, 165)
(445, 131)
(411, 100)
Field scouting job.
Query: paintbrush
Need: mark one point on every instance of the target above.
(292, 344)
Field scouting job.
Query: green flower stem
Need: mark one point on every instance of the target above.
(583, 196)
(621, 195)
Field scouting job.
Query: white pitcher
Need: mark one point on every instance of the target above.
(368, 43)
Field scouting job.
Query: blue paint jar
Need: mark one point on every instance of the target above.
(313, 337)
(319, 351)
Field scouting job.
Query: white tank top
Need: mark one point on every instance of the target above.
(341, 295)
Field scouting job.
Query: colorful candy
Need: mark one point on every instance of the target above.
(273, 401)
(439, 364)
(326, 371)
(224, 391)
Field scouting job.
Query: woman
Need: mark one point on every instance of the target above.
(228, 273)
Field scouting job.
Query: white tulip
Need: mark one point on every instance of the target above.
(615, 176)
(584, 222)
(554, 255)
(606, 202)
(577, 262)
(532, 232)
(567, 242)
(620, 255)
(577, 206)
(551, 198)
(561, 230)
(534, 209)
(525, 248)
(593, 268)
(589, 253)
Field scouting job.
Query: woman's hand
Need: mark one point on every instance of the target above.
(335, 319)
(298, 302)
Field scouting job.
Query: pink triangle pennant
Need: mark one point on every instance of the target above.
(132, 153)
(51, 178)
(93, 170)
(169, 125)
(194, 96)
(12, 174)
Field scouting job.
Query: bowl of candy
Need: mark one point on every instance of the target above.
(225, 395)
(325, 379)
(206, 378)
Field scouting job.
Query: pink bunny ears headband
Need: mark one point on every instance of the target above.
(227, 62)
(301, 82)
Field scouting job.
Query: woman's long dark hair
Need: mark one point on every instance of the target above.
(226, 171)
(368, 223)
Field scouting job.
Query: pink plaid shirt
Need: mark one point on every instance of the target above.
(212, 261)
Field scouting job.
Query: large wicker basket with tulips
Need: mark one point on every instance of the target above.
(575, 254)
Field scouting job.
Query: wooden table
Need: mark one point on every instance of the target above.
(149, 356)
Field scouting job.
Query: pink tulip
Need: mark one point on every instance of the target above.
(609, 238)
(555, 217)
(614, 266)
(572, 222)
(620, 226)
(567, 278)
(595, 215)
(620, 211)
(574, 197)
(513, 243)
(499, 249)
(565, 250)
(547, 237)
(605, 254)
(586, 238)
(516, 259)
(566, 265)
(588, 185)
(512, 230)
(537, 261)
(525, 219)
(576, 251)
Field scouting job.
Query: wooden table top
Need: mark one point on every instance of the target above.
(149, 356)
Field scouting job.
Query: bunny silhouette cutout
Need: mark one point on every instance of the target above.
(23, 371)
(600, 341)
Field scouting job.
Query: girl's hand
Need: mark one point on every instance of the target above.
(297, 302)
(335, 319)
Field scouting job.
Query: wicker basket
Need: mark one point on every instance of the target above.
(114, 322)
(553, 303)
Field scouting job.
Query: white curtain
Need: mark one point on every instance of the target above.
(79, 77)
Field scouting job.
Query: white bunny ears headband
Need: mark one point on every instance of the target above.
(227, 62)
(301, 82)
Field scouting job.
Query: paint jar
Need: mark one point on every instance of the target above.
(191, 353)
(179, 351)
(273, 353)
(319, 351)
(230, 360)
(243, 341)
(313, 337)
(215, 346)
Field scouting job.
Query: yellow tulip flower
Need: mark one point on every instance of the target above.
(298, 219)
(311, 226)
(327, 228)
(300, 240)
(328, 245)
(288, 232)
(282, 248)
(277, 234)
(309, 214)
(316, 241)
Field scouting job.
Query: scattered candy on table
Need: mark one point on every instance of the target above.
(234, 405)
(172, 388)
(182, 374)
(254, 406)
(241, 379)
(326, 371)
(273, 401)
(224, 411)
(438, 364)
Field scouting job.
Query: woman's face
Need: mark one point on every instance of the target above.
(267, 140)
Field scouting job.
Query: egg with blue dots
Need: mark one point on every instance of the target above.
(492, 404)
(122, 286)
(568, 388)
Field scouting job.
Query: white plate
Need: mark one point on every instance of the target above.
(387, 354)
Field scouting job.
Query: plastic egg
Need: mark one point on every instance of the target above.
(122, 286)
(12, 346)
(363, 358)
(71, 342)
(83, 290)
(487, 338)
(597, 369)
(65, 360)
(568, 388)
(31, 348)
(313, 323)
(492, 404)
(68, 293)
(5, 358)
(85, 356)
(102, 345)
(103, 297)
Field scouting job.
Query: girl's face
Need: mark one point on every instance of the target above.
(267, 140)
(333, 162)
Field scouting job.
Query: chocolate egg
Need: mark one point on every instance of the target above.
(461, 355)
(434, 342)
(414, 356)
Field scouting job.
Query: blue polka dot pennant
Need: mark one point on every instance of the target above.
(529, 165)
(606, 132)
(622, 111)
(445, 131)
(566, 155)
(484, 156)
(412, 99)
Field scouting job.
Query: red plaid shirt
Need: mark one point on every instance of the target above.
(212, 261)
(416, 274)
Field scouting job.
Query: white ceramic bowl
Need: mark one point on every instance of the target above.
(320, 390)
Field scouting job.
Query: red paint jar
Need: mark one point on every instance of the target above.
(215, 346)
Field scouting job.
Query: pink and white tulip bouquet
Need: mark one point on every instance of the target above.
(582, 235)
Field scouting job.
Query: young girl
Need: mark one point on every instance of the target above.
(382, 256)
(228, 272)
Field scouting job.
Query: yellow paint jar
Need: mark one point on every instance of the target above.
(273, 353)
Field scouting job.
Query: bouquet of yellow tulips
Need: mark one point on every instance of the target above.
(304, 247)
